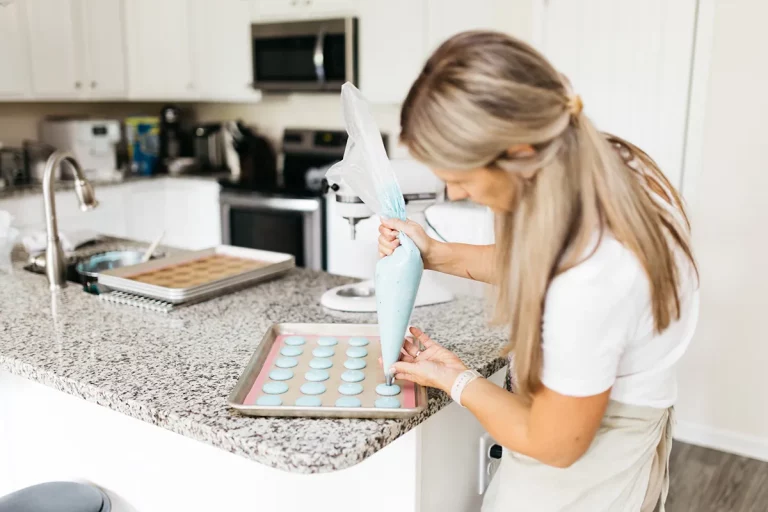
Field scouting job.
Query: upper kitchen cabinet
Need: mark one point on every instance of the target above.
(52, 48)
(446, 18)
(221, 39)
(276, 10)
(103, 48)
(14, 78)
(159, 45)
(636, 86)
(392, 48)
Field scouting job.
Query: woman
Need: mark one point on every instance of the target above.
(593, 273)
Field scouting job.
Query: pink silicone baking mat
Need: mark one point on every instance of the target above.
(374, 374)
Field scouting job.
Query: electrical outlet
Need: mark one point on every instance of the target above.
(487, 465)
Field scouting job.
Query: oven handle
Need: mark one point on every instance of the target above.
(269, 203)
(318, 58)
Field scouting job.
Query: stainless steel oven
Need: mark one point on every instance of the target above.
(283, 224)
(316, 55)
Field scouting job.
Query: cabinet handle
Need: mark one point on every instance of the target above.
(78, 84)
(307, 2)
(294, 2)
(190, 86)
(5, 3)
(93, 84)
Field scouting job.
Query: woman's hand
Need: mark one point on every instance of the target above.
(435, 366)
(388, 240)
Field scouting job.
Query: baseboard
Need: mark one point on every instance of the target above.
(724, 440)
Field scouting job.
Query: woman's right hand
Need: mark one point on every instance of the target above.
(388, 240)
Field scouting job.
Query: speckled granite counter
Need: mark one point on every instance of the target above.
(176, 371)
(37, 188)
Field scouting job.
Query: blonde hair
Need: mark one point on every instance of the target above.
(481, 93)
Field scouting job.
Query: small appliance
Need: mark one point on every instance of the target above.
(356, 255)
(209, 146)
(92, 142)
(315, 55)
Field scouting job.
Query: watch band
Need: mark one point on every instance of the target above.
(461, 382)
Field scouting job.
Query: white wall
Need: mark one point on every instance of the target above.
(724, 377)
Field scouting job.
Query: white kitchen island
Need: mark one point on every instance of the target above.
(135, 403)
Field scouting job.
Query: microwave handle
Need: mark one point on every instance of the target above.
(318, 58)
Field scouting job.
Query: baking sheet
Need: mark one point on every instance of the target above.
(413, 398)
(199, 274)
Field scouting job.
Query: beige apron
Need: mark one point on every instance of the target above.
(626, 469)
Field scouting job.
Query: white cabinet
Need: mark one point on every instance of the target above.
(631, 66)
(160, 60)
(446, 18)
(52, 50)
(269, 10)
(221, 38)
(103, 48)
(14, 77)
(392, 48)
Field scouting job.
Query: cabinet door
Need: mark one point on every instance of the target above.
(631, 66)
(446, 18)
(14, 77)
(52, 49)
(159, 49)
(392, 48)
(103, 47)
(221, 35)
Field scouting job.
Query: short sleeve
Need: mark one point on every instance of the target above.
(590, 313)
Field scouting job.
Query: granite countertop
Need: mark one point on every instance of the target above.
(177, 370)
(37, 188)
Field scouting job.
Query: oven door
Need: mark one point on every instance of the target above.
(315, 55)
(288, 225)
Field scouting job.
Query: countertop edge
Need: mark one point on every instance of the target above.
(256, 451)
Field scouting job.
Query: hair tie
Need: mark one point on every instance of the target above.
(575, 105)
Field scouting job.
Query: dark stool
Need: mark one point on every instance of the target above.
(56, 497)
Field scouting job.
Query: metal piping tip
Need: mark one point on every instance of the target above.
(389, 379)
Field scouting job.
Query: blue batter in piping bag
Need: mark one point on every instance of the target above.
(367, 171)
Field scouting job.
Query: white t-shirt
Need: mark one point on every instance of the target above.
(598, 330)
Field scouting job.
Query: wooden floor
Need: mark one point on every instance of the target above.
(704, 480)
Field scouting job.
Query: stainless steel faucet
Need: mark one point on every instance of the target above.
(55, 266)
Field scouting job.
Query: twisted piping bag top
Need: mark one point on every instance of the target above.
(367, 171)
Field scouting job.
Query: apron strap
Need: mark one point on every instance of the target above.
(658, 483)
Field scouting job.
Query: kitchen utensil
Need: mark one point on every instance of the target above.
(249, 385)
(198, 275)
(151, 250)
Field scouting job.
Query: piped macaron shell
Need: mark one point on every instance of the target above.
(358, 341)
(327, 341)
(290, 351)
(286, 362)
(323, 352)
(357, 352)
(308, 401)
(348, 401)
(350, 388)
(281, 374)
(384, 390)
(269, 400)
(294, 340)
(320, 363)
(355, 364)
(352, 376)
(274, 388)
(313, 388)
(387, 402)
(317, 375)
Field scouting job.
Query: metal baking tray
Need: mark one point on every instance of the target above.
(200, 283)
(374, 375)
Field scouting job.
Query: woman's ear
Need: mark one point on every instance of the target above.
(520, 151)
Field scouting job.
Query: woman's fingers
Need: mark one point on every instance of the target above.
(389, 234)
(394, 224)
(423, 337)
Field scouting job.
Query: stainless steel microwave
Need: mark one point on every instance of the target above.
(316, 55)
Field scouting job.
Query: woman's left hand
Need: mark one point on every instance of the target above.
(435, 366)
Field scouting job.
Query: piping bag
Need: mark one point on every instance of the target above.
(367, 171)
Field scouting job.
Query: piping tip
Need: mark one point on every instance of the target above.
(389, 380)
